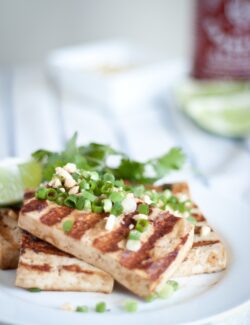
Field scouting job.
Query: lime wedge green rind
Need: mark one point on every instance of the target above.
(190, 89)
(219, 107)
(11, 187)
(31, 174)
(15, 178)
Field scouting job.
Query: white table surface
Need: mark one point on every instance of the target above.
(36, 114)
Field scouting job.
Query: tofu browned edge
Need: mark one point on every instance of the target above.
(208, 253)
(164, 246)
(43, 266)
(9, 238)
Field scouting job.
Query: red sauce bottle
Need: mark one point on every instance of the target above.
(222, 39)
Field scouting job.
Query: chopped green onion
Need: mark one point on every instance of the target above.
(188, 204)
(76, 176)
(70, 201)
(131, 306)
(134, 235)
(34, 290)
(107, 188)
(87, 205)
(93, 186)
(117, 209)
(119, 183)
(173, 200)
(151, 297)
(141, 225)
(154, 196)
(100, 307)
(88, 196)
(166, 292)
(138, 190)
(116, 197)
(97, 209)
(167, 193)
(97, 206)
(51, 194)
(68, 225)
(174, 284)
(107, 205)
(41, 193)
(143, 209)
(182, 208)
(108, 177)
(94, 176)
(80, 203)
(84, 185)
(60, 198)
(82, 309)
(133, 245)
(84, 173)
(192, 220)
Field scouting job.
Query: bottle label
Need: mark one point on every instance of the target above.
(222, 44)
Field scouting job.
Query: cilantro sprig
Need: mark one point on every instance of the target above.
(94, 157)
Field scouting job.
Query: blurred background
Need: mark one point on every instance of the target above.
(140, 75)
(29, 29)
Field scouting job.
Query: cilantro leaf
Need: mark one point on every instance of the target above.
(135, 171)
(94, 157)
(172, 160)
(130, 170)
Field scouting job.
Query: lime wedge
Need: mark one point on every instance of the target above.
(15, 177)
(31, 174)
(221, 107)
(224, 115)
(191, 89)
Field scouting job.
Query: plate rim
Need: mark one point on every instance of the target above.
(216, 316)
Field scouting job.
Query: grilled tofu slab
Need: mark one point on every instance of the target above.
(165, 244)
(45, 267)
(208, 253)
(9, 238)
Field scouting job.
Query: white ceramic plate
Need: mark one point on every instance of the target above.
(200, 298)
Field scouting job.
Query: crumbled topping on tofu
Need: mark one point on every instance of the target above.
(205, 231)
(110, 223)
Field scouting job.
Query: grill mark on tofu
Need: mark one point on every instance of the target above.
(28, 195)
(197, 230)
(76, 269)
(177, 188)
(34, 205)
(159, 188)
(39, 246)
(85, 222)
(205, 243)
(160, 266)
(36, 267)
(141, 259)
(198, 217)
(109, 242)
(55, 215)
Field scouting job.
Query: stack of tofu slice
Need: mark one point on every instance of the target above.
(90, 258)
(9, 238)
